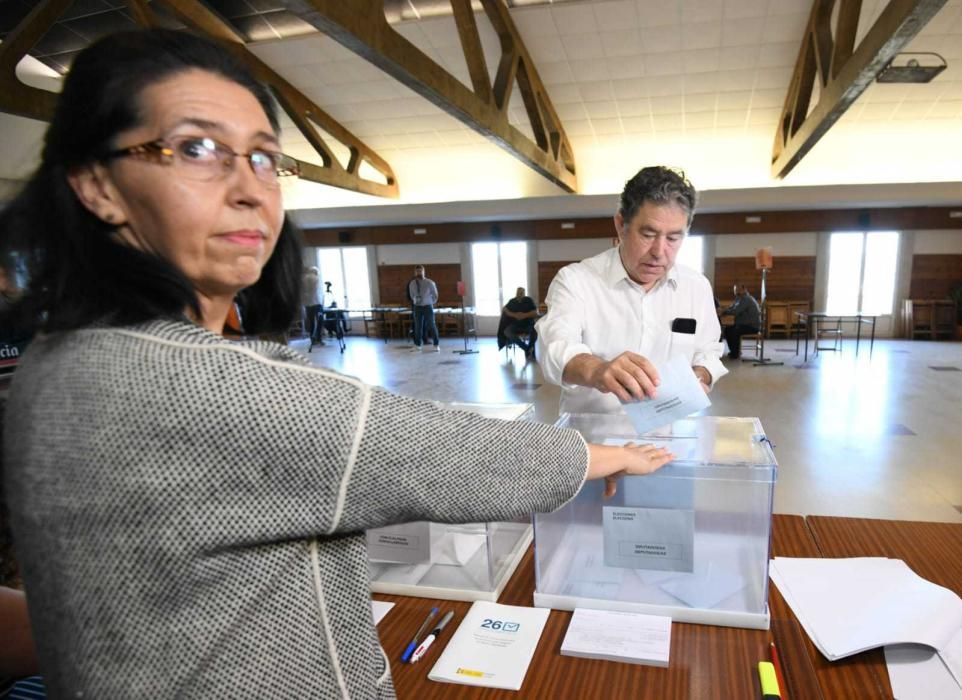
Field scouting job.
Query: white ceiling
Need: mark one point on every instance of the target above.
(692, 83)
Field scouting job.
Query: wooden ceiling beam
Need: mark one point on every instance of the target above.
(844, 73)
(299, 108)
(34, 103)
(16, 97)
(473, 54)
(361, 26)
(848, 13)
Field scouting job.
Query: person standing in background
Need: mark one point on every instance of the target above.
(311, 301)
(424, 295)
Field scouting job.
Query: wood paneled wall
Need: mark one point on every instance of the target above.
(791, 279)
(547, 269)
(877, 219)
(934, 275)
(392, 280)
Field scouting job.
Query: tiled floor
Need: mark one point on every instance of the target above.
(868, 436)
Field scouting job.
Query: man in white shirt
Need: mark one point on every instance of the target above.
(613, 318)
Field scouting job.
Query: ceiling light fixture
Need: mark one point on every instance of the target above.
(912, 67)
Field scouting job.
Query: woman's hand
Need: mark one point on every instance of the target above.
(609, 462)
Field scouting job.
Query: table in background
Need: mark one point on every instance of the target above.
(811, 319)
(706, 661)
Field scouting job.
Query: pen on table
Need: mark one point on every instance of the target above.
(779, 673)
(409, 649)
(766, 675)
(429, 640)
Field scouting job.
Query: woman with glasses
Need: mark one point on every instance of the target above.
(187, 523)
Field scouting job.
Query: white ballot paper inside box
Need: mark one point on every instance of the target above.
(425, 543)
(678, 394)
(659, 539)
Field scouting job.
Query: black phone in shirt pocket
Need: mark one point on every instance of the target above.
(683, 325)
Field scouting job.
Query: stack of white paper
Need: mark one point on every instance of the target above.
(850, 605)
(492, 647)
(618, 636)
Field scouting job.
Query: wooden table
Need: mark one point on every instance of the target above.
(706, 661)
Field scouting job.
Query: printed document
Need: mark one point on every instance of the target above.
(849, 605)
(618, 636)
(492, 647)
(678, 395)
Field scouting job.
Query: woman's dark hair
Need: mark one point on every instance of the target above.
(77, 273)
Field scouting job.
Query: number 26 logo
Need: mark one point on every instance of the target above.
(500, 625)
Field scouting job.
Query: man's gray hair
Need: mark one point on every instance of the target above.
(659, 185)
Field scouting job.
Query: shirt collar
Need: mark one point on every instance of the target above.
(616, 273)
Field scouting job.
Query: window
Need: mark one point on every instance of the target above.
(498, 270)
(861, 272)
(346, 270)
(692, 253)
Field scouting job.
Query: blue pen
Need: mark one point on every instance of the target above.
(414, 643)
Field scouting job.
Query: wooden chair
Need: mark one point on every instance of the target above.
(390, 325)
(930, 318)
(944, 321)
(370, 324)
(923, 319)
(778, 319)
(755, 339)
(448, 324)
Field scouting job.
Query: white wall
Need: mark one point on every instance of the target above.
(935, 242)
(572, 249)
(744, 245)
(418, 253)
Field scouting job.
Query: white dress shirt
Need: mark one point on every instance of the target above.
(595, 308)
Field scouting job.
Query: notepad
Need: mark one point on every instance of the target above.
(492, 647)
(618, 636)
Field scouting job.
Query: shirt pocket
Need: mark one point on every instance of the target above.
(682, 344)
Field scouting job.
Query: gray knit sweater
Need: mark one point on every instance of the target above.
(189, 512)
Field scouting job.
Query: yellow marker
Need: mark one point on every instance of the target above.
(470, 672)
(766, 674)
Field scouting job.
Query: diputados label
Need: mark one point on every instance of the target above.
(660, 539)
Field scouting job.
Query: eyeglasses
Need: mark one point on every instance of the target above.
(203, 159)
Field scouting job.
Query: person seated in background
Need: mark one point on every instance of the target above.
(332, 316)
(517, 323)
(748, 319)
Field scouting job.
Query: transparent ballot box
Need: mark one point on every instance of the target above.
(454, 562)
(690, 541)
